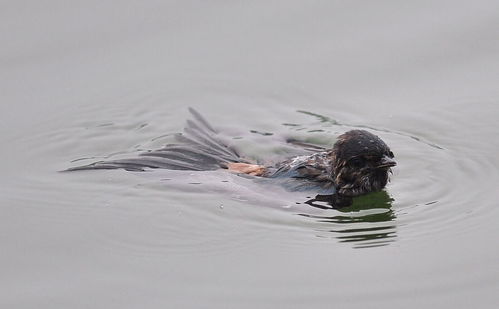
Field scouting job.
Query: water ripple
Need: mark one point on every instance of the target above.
(441, 179)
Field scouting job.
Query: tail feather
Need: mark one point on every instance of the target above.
(186, 153)
(203, 138)
(200, 119)
(138, 164)
(207, 149)
(199, 148)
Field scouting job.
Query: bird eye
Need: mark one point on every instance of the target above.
(390, 154)
(357, 162)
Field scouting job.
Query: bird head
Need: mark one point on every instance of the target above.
(361, 163)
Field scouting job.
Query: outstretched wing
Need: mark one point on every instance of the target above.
(198, 148)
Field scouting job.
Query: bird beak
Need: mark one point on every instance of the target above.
(387, 162)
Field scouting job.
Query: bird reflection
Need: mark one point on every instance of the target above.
(365, 221)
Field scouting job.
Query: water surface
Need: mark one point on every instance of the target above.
(423, 76)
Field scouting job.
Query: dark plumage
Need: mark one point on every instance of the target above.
(361, 163)
(358, 163)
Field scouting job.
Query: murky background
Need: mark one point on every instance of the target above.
(87, 80)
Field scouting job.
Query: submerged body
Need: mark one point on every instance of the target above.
(358, 163)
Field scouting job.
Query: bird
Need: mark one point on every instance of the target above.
(358, 163)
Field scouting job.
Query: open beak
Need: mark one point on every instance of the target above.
(387, 162)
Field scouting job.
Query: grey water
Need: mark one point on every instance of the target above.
(83, 81)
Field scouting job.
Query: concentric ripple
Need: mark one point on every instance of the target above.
(180, 211)
(434, 186)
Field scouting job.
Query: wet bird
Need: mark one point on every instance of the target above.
(358, 163)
